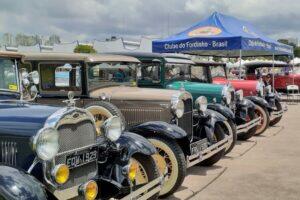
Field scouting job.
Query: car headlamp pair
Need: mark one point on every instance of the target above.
(201, 103)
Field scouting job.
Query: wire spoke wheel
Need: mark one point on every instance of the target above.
(141, 174)
(264, 121)
(100, 115)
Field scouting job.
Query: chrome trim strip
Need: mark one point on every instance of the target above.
(207, 153)
(247, 126)
(136, 194)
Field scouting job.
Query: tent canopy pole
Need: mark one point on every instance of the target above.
(273, 68)
(240, 68)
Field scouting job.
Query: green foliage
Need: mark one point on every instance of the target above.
(84, 49)
(297, 51)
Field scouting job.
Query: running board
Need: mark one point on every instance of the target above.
(208, 152)
(147, 191)
(243, 128)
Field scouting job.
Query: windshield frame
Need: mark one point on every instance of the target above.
(101, 84)
(16, 72)
(189, 65)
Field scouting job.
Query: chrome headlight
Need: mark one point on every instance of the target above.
(201, 103)
(45, 143)
(177, 107)
(112, 128)
(240, 95)
(260, 88)
(226, 95)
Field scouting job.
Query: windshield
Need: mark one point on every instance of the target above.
(263, 71)
(8, 75)
(149, 72)
(108, 74)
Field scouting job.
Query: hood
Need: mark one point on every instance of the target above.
(23, 119)
(134, 93)
(248, 86)
(210, 91)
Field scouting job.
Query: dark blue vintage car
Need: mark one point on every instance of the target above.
(50, 152)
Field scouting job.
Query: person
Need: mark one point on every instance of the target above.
(119, 75)
(268, 79)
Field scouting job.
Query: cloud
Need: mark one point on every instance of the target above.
(98, 19)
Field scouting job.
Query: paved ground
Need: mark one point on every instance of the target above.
(266, 167)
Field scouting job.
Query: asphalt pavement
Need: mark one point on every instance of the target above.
(266, 167)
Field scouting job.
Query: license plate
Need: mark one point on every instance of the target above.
(82, 157)
(199, 146)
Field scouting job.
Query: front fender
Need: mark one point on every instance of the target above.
(225, 111)
(260, 101)
(16, 184)
(159, 128)
(135, 144)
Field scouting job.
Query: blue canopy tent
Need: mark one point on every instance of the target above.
(221, 35)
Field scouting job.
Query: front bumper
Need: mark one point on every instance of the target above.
(206, 152)
(243, 128)
(146, 191)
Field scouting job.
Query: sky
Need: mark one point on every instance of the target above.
(86, 20)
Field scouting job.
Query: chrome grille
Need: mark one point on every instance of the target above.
(139, 115)
(9, 152)
(72, 137)
(186, 121)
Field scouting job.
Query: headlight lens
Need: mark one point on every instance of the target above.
(260, 89)
(240, 95)
(89, 190)
(178, 108)
(45, 143)
(201, 103)
(60, 174)
(226, 95)
(112, 128)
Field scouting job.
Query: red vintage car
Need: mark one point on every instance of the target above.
(283, 73)
(268, 103)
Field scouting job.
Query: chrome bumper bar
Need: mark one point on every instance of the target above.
(275, 114)
(208, 152)
(243, 128)
(146, 191)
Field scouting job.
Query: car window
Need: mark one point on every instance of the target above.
(217, 71)
(174, 71)
(149, 72)
(60, 76)
(8, 75)
(105, 74)
(199, 73)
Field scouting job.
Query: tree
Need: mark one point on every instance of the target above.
(82, 48)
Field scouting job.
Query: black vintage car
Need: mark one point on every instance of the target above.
(182, 137)
(52, 152)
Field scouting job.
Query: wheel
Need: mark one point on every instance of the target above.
(278, 108)
(102, 110)
(247, 135)
(171, 163)
(265, 119)
(146, 171)
(219, 134)
(232, 132)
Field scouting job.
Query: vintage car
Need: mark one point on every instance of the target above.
(268, 105)
(173, 72)
(165, 117)
(284, 74)
(52, 152)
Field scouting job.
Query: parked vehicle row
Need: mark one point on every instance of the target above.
(115, 126)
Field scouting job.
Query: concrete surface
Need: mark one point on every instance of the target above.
(265, 167)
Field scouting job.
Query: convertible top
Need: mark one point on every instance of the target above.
(10, 54)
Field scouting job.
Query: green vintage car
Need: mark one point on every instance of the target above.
(175, 72)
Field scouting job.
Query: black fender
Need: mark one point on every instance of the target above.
(225, 111)
(135, 143)
(16, 184)
(260, 101)
(159, 128)
(272, 98)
